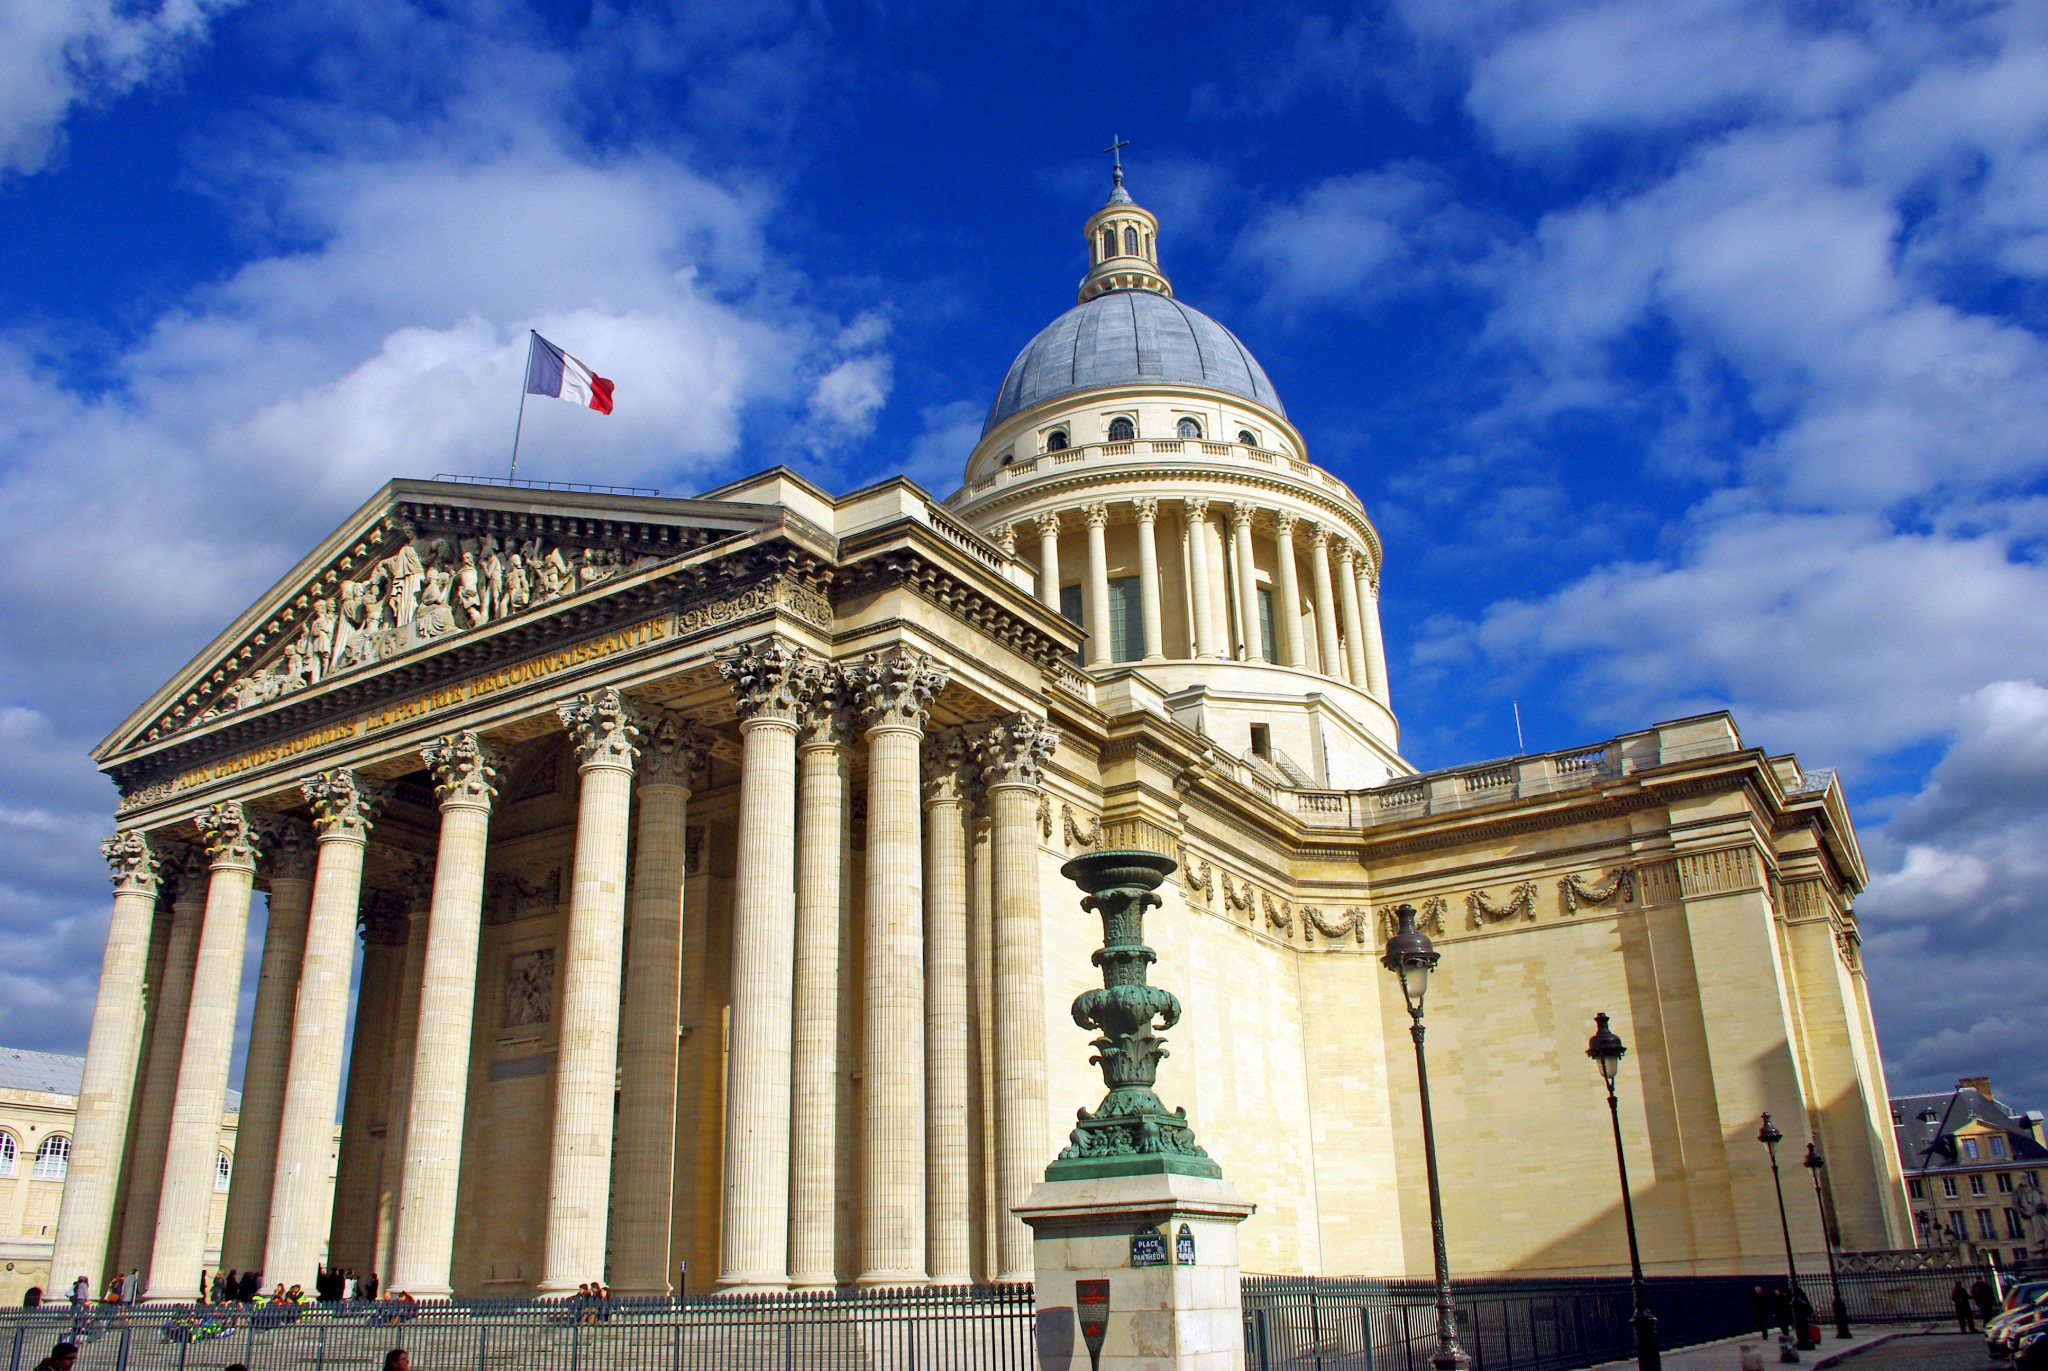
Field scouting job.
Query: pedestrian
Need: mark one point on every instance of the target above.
(1802, 1315)
(1985, 1297)
(1960, 1298)
(62, 1357)
(1781, 1309)
(81, 1293)
(368, 1289)
(1760, 1311)
(397, 1360)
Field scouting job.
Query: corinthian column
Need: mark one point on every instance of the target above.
(86, 1214)
(417, 890)
(1196, 512)
(301, 1203)
(947, 1047)
(464, 769)
(671, 750)
(1048, 559)
(1012, 753)
(1148, 576)
(178, 1254)
(385, 931)
(1099, 645)
(288, 853)
(1354, 633)
(814, 1085)
(766, 677)
(1247, 582)
(605, 733)
(1331, 657)
(1375, 645)
(166, 1048)
(893, 690)
(1287, 613)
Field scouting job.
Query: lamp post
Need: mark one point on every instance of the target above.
(1770, 1137)
(1607, 1048)
(1813, 1165)
(1411, 957)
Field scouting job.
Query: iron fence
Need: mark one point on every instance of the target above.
(959, 1328)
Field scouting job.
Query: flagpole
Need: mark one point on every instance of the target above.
(524, 372)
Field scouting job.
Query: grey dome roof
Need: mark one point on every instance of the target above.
(1126, 337)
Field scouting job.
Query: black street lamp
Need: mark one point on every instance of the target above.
(1813, 1164)
(1770, 1137)
(1607, 1048)
(1411, 957)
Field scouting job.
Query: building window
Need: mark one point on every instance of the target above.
(1262, 741)
(2019, 1254)
(1247, 437)
(1948, 1186)
(1008, 458)
(2012, 1224)
(1969, 1149)
(53, 1158)
(8, 1152)
(1998, 1147)
(1916, 1189)
(1984, 1225)
(1131, 241)
(1122, 430)
(1189, 428)
(2005, 1182)
(1056, 441)
(1266, 625)
(1976, 1185)
(1109, 241)
(223, 1168)
(1070, 609)
(1126, 620)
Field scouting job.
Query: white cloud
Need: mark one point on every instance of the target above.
(57, 54)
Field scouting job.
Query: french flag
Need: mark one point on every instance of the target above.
(551, 371)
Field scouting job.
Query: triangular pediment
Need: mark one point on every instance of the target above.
(423, 563)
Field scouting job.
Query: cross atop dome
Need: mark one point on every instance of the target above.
(1117, 194)
(1122, 250)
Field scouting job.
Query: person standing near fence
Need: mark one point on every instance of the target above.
(1760, 1310)
(62, 1357)
(1961, 1299)
(1986, 1299)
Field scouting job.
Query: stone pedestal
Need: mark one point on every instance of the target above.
(1184, 1312)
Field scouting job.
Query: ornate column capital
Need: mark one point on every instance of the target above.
(385, 920)
(132, 866)
(1241, 512)
(1013, 750)
(410, 880)
(1147, 508)
(465, 769)
(1318, 536)
(603, 727)
(949, 770)
(1096, 514)
(1283, 524)
(827, 717)
(1196, 507)
(230, 838)
(289, 848)
(672, 747)
(342, 804)
(894, 688)
(1005, 536)
(766, 679)
(1345, 552)
(1048, 523)
(185, 865)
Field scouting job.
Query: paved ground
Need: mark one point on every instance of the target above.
(1869, 1350)
(1938, 1352)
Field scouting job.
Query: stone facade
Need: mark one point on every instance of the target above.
(759, 799)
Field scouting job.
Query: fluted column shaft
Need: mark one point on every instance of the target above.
(1375, 644)
(814, 1075)
(1148, 578)
(1287, 613)
(649, 1050)
(424, 1248)
(288, 854)
(1248, 583)
(1331, 663)
(177, 1256)
(405, 1028)
(301, 1203)
(353, 1241)
(160, 1074)
(754, 1234)
(948, 1051)
(106, 1092)
(1099, 644)
(1012, 754)
(1049, 560)
(1197, 515)
(1354, 632)
(893, 690)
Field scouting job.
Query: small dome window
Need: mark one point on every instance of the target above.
(1109, 241)
(1122, 430)
(1247, 437)
(1008, 458)
(1189, 428)
(1131, 242)
(1056, 441)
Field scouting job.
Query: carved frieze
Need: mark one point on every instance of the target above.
(1618, 889)
(526, 894)
(1480, 911)
(1197, 876)
(529, 988)
(1430, 916)
(1717, 873)
(693, 849)
(802, 601)
(1278, 915)
(1350, 925)
(1072, 831)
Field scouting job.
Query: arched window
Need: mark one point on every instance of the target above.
(8, 1152)
(1109, 241)
(1008, 458)
(1247, 437)
(1122, 430)
(1131, 241)
(1056, 441)
(1148, 245)
(53, 1158)
(1189, 428)
(223, 1169)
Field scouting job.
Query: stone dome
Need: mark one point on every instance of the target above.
(1130, 337)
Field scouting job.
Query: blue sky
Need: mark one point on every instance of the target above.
(1688, 353)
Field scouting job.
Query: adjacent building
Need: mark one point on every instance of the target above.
(705, 859)
(1974, 1169)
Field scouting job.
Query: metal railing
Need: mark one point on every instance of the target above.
(955, 1328)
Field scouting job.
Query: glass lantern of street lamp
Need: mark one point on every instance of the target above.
(1606, 1048)
(1411, 956)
